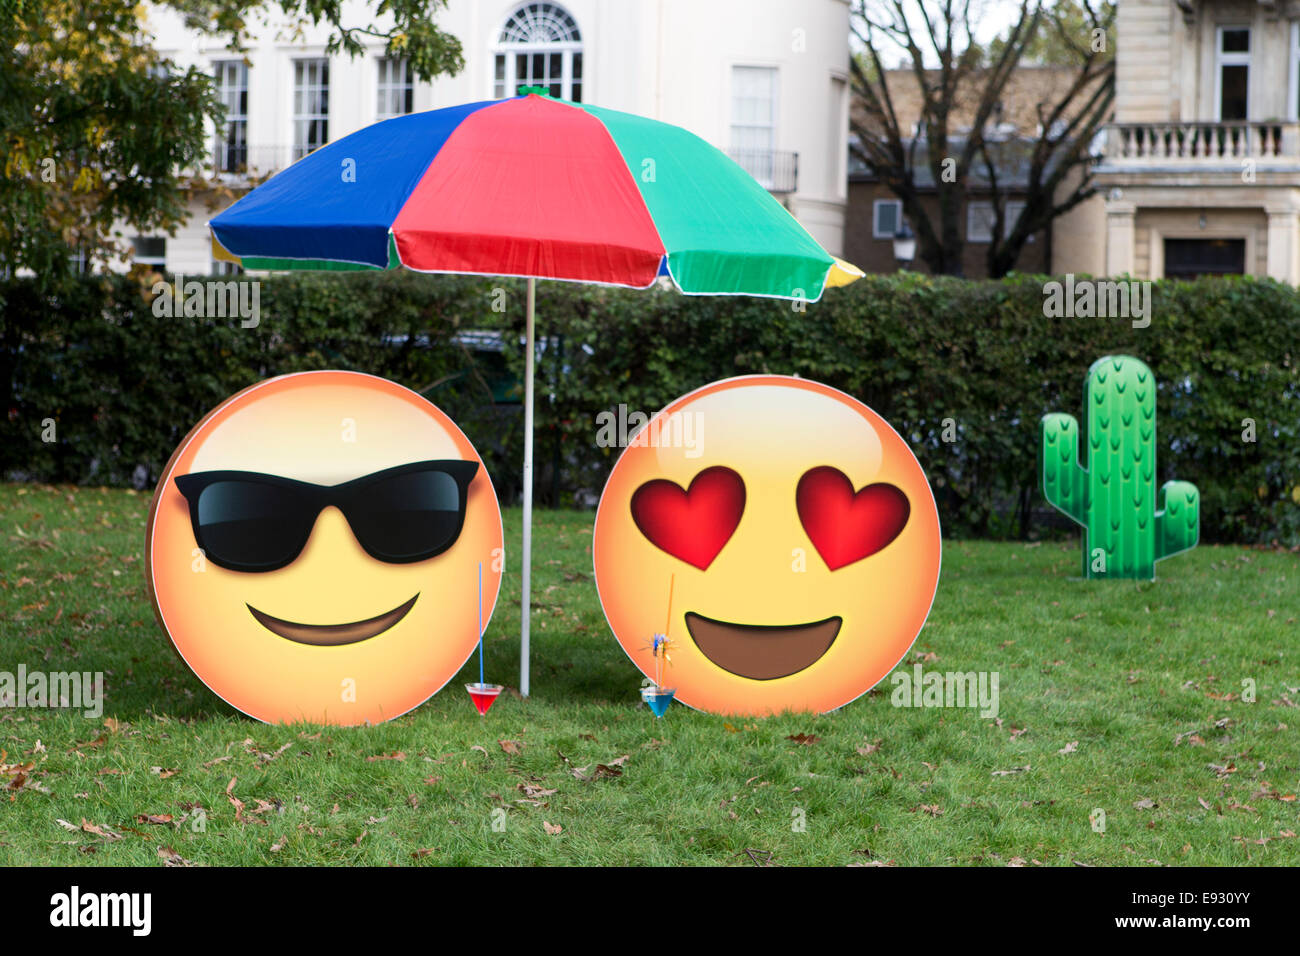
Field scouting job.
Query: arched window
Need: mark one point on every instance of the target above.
(539, 46)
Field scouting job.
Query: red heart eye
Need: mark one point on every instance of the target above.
(847, 527)
(694, 524)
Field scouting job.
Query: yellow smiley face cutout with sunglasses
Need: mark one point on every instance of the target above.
(314, 549)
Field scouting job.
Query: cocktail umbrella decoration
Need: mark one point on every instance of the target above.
(538, 188)
(658, 697)
(482, 694)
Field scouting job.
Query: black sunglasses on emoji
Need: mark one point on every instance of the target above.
(248, 521)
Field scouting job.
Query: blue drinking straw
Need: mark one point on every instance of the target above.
(480, 623)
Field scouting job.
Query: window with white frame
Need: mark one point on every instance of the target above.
(231, 154)
(311, 105)
(150, 251)
(886, 218)
(1232, 73)
(753, 120)
(540, 45)
(396, 89)
(980, 219)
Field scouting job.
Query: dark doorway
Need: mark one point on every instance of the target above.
(1189, 258)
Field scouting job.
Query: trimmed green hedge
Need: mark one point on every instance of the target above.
(124, 386)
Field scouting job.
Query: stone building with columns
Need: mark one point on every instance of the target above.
(1201, 171)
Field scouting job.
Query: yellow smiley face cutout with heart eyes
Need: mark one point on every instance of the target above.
(315, 546)
(780, 533)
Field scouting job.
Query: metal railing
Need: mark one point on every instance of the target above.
(776, 170)
(230, 160)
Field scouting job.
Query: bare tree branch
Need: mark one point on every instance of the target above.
(956, 82)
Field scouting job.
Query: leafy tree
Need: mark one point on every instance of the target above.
(97, 128)
(960, 88)
(1067, 28)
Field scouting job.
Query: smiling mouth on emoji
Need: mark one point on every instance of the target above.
(332, 635)
(762, 651)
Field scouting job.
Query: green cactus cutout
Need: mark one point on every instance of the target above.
(1113, 495)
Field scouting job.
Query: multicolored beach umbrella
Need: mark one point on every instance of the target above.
(534, 187)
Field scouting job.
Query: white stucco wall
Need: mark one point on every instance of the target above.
(668, 59)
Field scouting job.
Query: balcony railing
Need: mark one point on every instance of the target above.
(776, 171)
(1201, 143)
(234, 162)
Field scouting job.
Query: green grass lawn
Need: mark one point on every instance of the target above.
(1119, 696)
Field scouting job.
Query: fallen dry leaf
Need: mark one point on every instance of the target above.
(534, 791)
(98, 830)
(239, 805)
(235, 801)
(171, 858)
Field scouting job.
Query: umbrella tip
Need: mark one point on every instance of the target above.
(534, 91)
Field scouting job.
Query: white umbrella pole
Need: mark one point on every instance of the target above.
(526, 565)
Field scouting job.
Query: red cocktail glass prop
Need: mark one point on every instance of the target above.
(483, 695)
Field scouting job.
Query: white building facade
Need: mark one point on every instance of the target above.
(764, 80)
